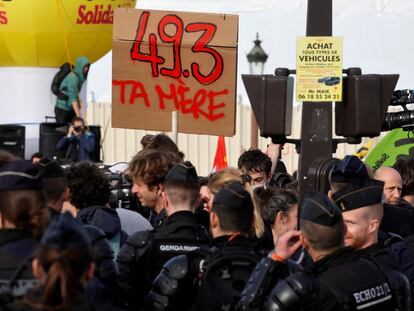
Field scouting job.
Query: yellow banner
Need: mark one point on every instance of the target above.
(319, 69)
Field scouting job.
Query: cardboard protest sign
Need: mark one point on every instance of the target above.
(165, 61)
(319, 69)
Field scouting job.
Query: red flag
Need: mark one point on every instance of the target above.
(220, 160)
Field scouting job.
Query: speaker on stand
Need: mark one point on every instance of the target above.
(50, 134)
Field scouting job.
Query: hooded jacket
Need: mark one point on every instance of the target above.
(72, 84)
(107, 220)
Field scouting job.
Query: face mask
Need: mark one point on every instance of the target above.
(254, 187)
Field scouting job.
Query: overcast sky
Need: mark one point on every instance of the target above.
(377, 35)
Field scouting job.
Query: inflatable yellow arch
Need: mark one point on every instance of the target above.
(31, 31)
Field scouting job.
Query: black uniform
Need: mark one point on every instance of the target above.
(395, 256)
(378, 254)
(398, 219)
(209, 280)
(225, 272)
(16, 254)
(354, 282)
(142, 257)
(389, 252)
(341, 281)
(155, 219)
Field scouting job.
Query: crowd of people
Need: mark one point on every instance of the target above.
(239, 239)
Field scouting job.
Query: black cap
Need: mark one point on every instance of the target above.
(359, 193)
(64, 232)
(20, 175)
(319, 209)
(234, 196)
(349, 169)
(50, 169)
(185, 172)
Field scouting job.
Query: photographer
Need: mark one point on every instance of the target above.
(79, 143)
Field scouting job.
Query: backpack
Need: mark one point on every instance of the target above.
(224, 277)
(64, 70)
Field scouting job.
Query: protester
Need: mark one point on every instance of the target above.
(67, 109)
(258, 165)
(145, 140)
(23, 218)
(406, 170)
(145, 252)
(78, 142)
(89, 194)
(398, 213)
(147, 170)
(163, 143)
(392, 184)
(279, 210)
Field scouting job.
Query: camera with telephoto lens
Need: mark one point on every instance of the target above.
(121, 195)
(402, 119)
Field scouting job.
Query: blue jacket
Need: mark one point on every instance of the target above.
(85, 144)
(16, 250)
(107, 220)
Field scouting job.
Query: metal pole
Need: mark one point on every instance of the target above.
(254, 134)
(316, 130)
(254, 129)
(175, 127)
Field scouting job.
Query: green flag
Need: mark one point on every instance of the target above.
(397, 144)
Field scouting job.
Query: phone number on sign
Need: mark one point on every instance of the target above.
(322, 97)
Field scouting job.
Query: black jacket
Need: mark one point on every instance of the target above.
(341, 280)
(143, 255)
(225, 272)
(398, 219)
(345, 279)
(107, 220)
(16, 253)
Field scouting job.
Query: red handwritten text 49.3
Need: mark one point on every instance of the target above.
(207, 31)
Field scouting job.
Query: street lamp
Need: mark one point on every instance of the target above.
(257, 59)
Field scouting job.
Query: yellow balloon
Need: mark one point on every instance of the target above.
(32, 31)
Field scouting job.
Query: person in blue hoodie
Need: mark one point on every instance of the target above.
(66, 110)
(89, 193)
